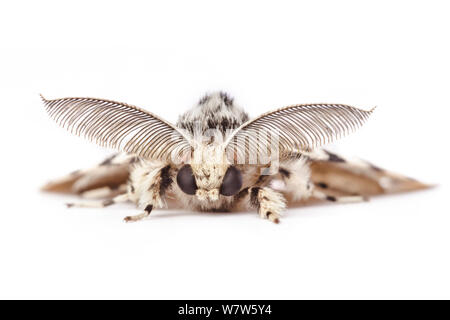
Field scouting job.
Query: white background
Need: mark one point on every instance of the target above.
(163, 56)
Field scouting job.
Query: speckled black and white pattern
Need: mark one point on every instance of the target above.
(213, 111)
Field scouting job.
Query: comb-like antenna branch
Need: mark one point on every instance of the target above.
(119, 126)
(295, 128)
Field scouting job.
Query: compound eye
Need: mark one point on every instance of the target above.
(186, 180)
(232, 182)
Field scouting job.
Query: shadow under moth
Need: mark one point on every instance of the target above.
(217, 159)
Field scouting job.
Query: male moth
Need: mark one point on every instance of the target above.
(216, 159)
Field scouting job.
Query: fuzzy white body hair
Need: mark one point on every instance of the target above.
(296, 179)
(143, 179)
(213, 111)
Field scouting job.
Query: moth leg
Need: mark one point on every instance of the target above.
(104, 192)
(321, 186)
(148, 186)
(99, 203)
(148, 209)
(267, 201)
(341, 199)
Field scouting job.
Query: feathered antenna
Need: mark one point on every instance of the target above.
(119, 126)
(296, 128)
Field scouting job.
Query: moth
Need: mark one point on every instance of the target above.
(217, 159)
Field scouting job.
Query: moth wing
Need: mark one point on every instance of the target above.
(111, 173)
(354, 176)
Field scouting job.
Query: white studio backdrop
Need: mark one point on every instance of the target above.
(163, 56)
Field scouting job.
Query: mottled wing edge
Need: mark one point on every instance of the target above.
(112, 173)
(119, 126)
(356, 176)
(301, 127)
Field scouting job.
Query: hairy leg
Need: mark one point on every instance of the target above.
(341, 199)
(267, 201)
(148, 209)
(99, 203)
(148, 186)
(104, 192)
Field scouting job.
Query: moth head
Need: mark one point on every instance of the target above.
(209, 175)
(230, 183)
